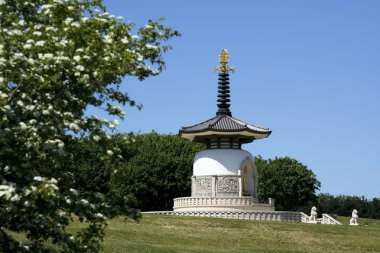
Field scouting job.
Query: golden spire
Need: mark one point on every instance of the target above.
(223, 59)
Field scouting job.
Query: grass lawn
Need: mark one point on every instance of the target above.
(156, 233)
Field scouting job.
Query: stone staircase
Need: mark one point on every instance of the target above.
(326, 219)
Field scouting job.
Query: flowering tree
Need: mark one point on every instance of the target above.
(57, 58)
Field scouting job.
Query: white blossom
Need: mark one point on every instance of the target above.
(53, 180)
(46, 6)
(37, 33)
(30, 107)
(73, 191)
(109, 152)
(68, 21)
(7, 191)
(19, 55)
(124, 40)
(99, 215)
(61, 144)
(38, 178)
(63, 42)
(79, 68)
(77, 58)
(40, 43)
(75, 24)
(2, 95)
(74, 126)
(23, 125)
(107, 39)
(15, 198)
(151, 46)
(50, 28)
(96, 137)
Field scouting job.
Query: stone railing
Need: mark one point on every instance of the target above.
(304, 217)
(263, 216)
(327, 219)
(214, 201)
(254, 215)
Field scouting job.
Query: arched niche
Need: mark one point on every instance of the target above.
(249, 177)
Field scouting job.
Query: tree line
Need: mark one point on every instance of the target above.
(155, 168)
(343, 205)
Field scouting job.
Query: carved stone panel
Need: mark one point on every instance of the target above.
(227, 185)
(202, 186)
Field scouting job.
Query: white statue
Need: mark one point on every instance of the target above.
(313, 215)
(354, 218)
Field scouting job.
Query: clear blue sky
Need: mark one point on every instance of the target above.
(308, 70)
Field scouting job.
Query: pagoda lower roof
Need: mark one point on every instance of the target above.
(224, 125)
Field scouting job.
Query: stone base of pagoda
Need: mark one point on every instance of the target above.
(221, 204)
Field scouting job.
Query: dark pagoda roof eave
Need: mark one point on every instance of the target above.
(235, 132)
(224, 124)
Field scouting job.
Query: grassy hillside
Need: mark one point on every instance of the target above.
(186, 234)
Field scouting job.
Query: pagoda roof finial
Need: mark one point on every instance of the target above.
(223, 59)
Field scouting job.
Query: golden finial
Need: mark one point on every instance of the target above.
(223, 59)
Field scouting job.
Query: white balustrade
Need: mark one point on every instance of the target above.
(327, 219)
(215, 201)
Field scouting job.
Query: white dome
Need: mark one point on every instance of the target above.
(219, 161)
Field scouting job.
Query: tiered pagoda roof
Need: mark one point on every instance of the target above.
(223, 125)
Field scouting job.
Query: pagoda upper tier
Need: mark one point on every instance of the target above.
(223, 130)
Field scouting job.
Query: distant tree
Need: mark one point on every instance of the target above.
(288, 181)
(343, 205)
(375, 208)
(58, 58)
(328, 203)
(159, 170)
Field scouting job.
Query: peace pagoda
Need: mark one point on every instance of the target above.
(224, 175)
